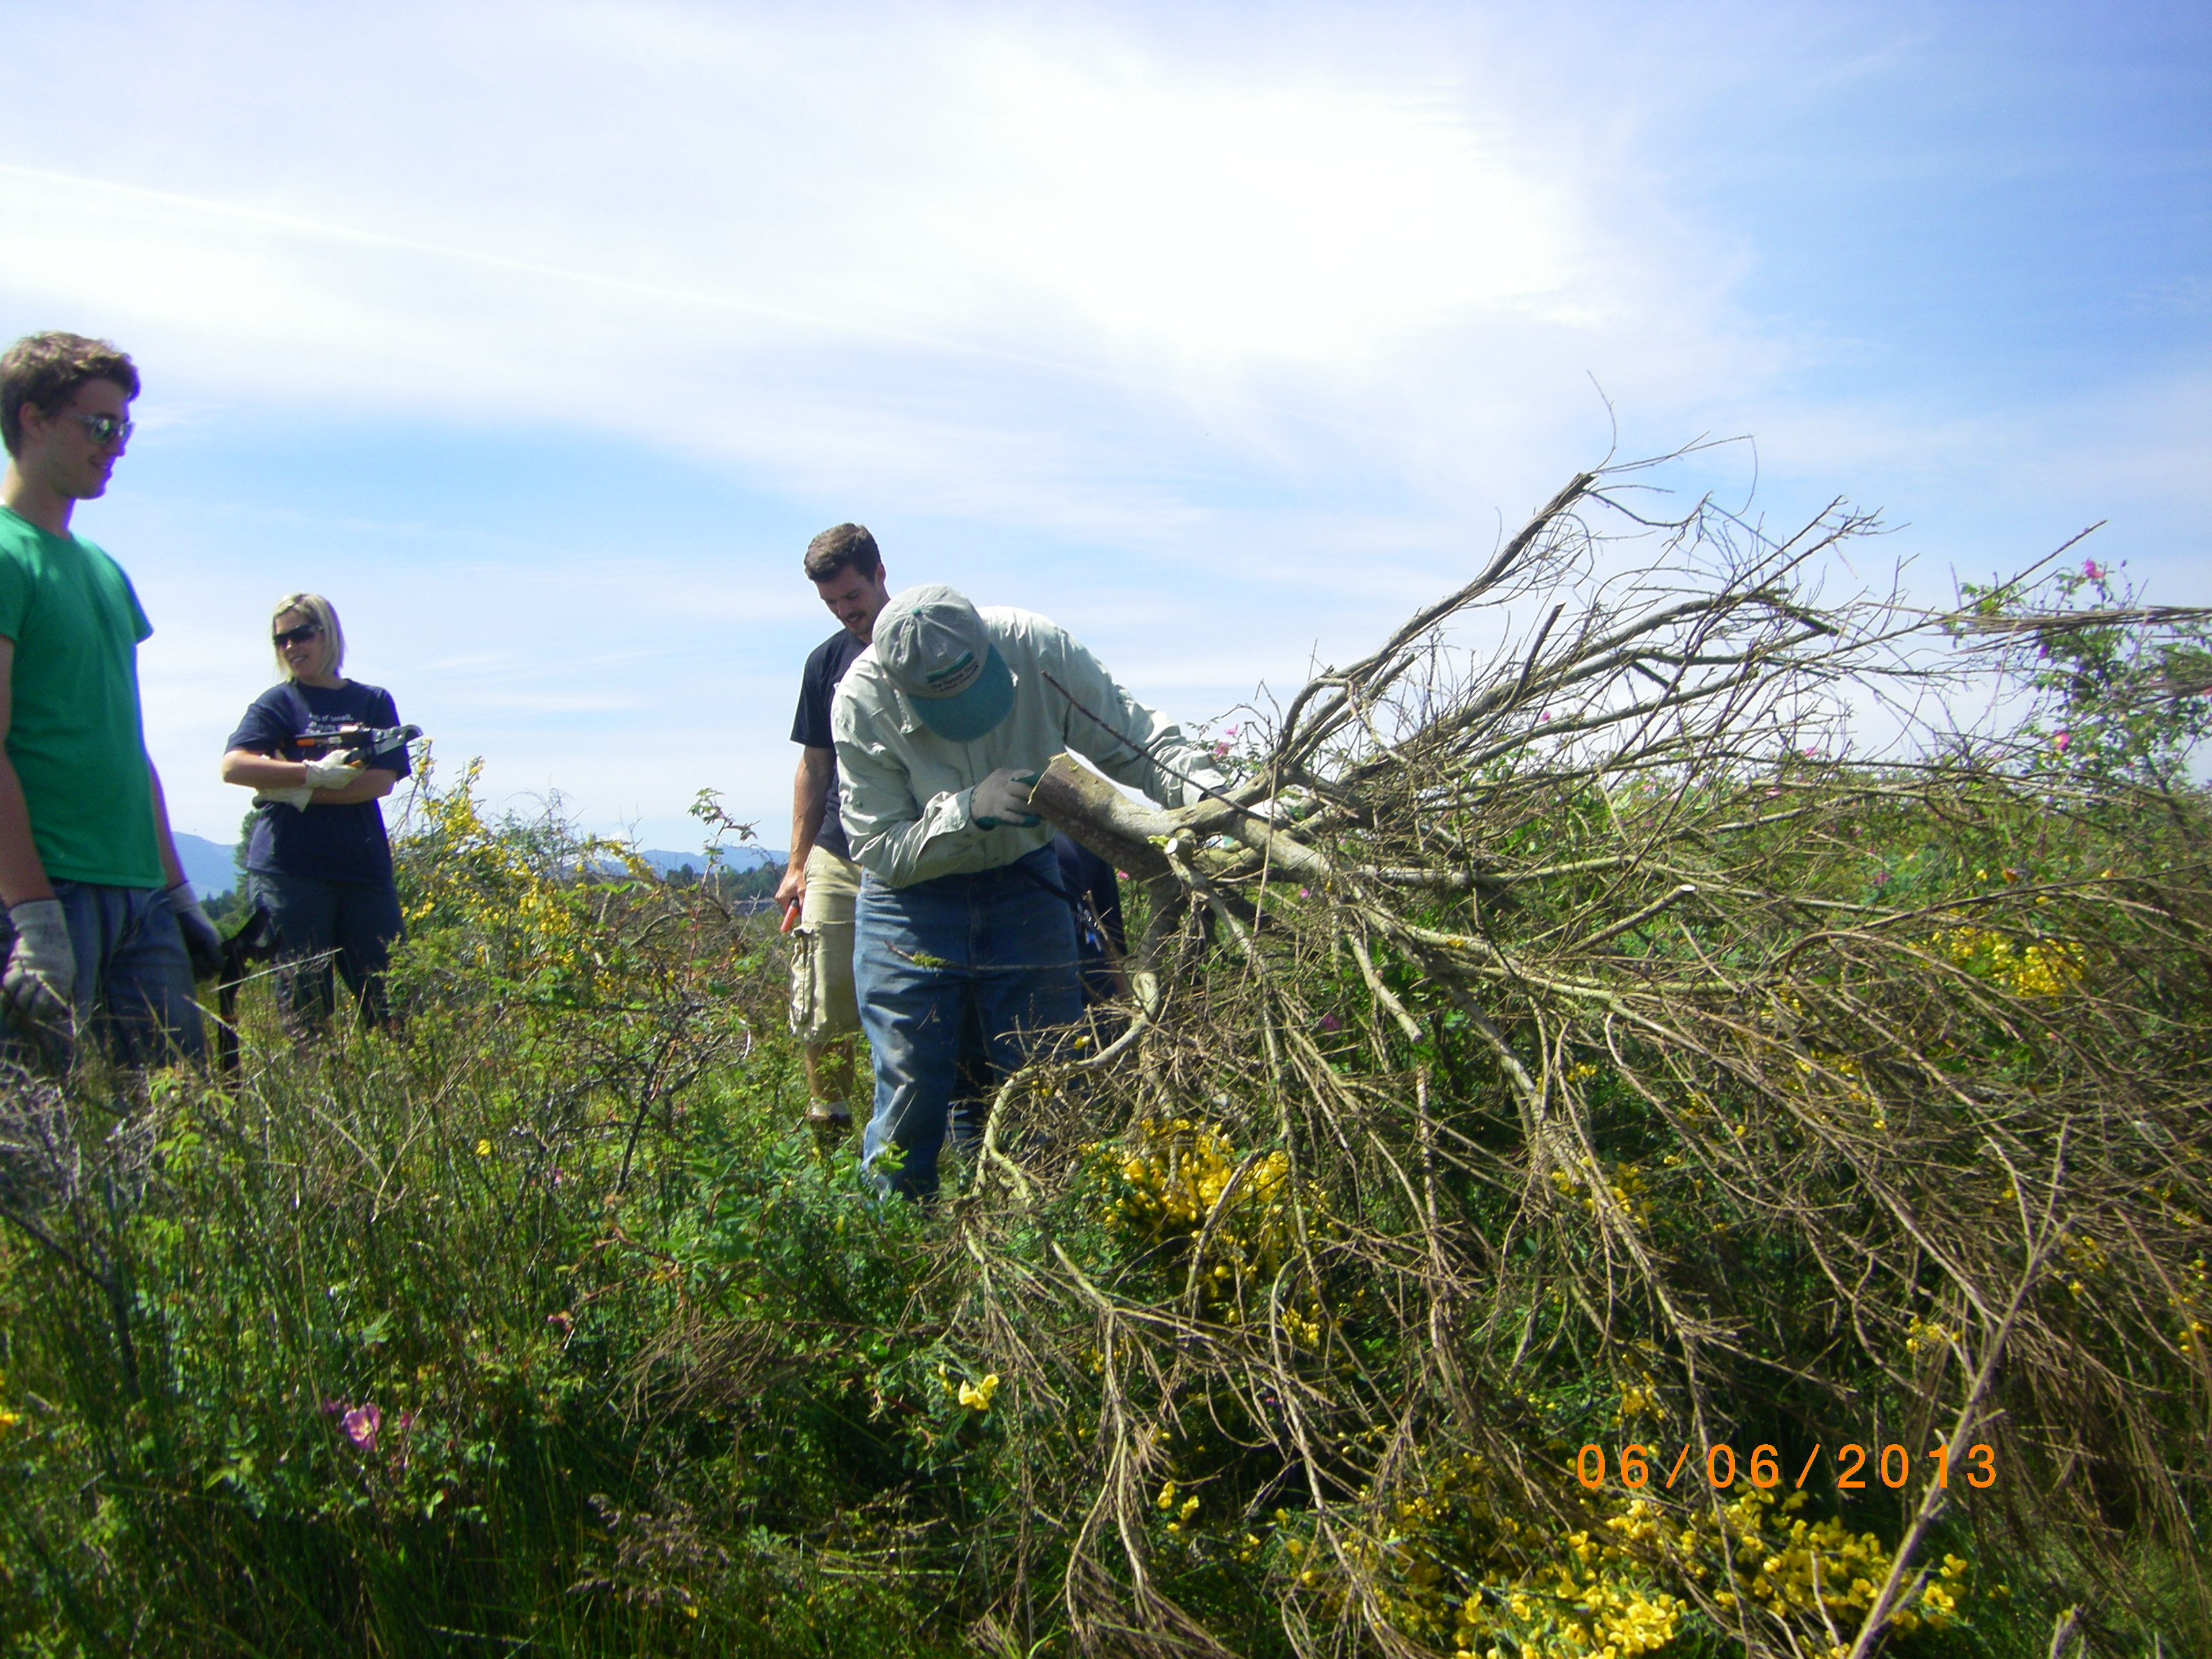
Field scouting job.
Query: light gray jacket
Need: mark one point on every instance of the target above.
(906, 792)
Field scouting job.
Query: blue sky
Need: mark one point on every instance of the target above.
(541, 338)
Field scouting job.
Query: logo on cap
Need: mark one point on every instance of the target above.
(954, 678)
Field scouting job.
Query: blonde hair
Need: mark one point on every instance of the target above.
(319, 611)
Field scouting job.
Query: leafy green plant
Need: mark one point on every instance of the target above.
(2122, 690)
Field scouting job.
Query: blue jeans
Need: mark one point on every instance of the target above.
(319, 925)
(134, 977)
(992, 953)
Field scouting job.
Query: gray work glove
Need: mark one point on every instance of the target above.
(41, 968)
(1004, 798)
(201, 943)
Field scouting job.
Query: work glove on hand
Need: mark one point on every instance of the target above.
(201, 943)
(41, 968)
(333, 772)
(1004, 798)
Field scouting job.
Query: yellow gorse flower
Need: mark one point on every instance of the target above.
(2041, 968)
(1183, 1183)
(514, 914)
(1460, 1571)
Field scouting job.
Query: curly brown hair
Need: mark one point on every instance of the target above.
(45, 370)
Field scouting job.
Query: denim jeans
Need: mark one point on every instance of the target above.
(351, 925)
(994, 953)
(134, 977)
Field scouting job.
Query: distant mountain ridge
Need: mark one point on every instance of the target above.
(209, 865)
(733, 858)
(212, 868)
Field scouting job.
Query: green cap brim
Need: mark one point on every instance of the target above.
(971, 714)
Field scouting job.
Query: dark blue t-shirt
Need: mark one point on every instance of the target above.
(328, 844)
(825, 666)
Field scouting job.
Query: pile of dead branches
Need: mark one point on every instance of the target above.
(1561, 1042)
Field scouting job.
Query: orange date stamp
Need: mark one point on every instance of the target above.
(1857, 1466)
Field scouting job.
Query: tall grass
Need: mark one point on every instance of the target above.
(353, 1354)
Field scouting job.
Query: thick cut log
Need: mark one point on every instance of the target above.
(1076, 801)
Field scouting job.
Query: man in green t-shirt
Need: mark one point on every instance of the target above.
(102, 929)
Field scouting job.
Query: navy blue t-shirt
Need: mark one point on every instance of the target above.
(328, 844)
(825, 666)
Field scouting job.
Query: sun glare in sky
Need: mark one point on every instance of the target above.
(1305, 222)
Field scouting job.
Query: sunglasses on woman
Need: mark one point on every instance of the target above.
(299, 635)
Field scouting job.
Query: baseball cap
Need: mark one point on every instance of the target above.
(934, 645)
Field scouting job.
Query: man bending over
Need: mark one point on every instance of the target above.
(942, 725)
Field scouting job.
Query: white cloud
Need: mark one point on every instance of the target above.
(1304, 219)
(797, 229)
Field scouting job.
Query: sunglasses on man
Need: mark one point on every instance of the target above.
(108, 429)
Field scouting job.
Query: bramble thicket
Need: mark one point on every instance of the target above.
(1666, 1115)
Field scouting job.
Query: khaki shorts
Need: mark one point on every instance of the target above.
(823, 1006)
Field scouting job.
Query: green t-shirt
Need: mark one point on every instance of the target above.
(74, 736)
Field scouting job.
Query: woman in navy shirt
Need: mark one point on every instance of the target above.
(318, 859)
